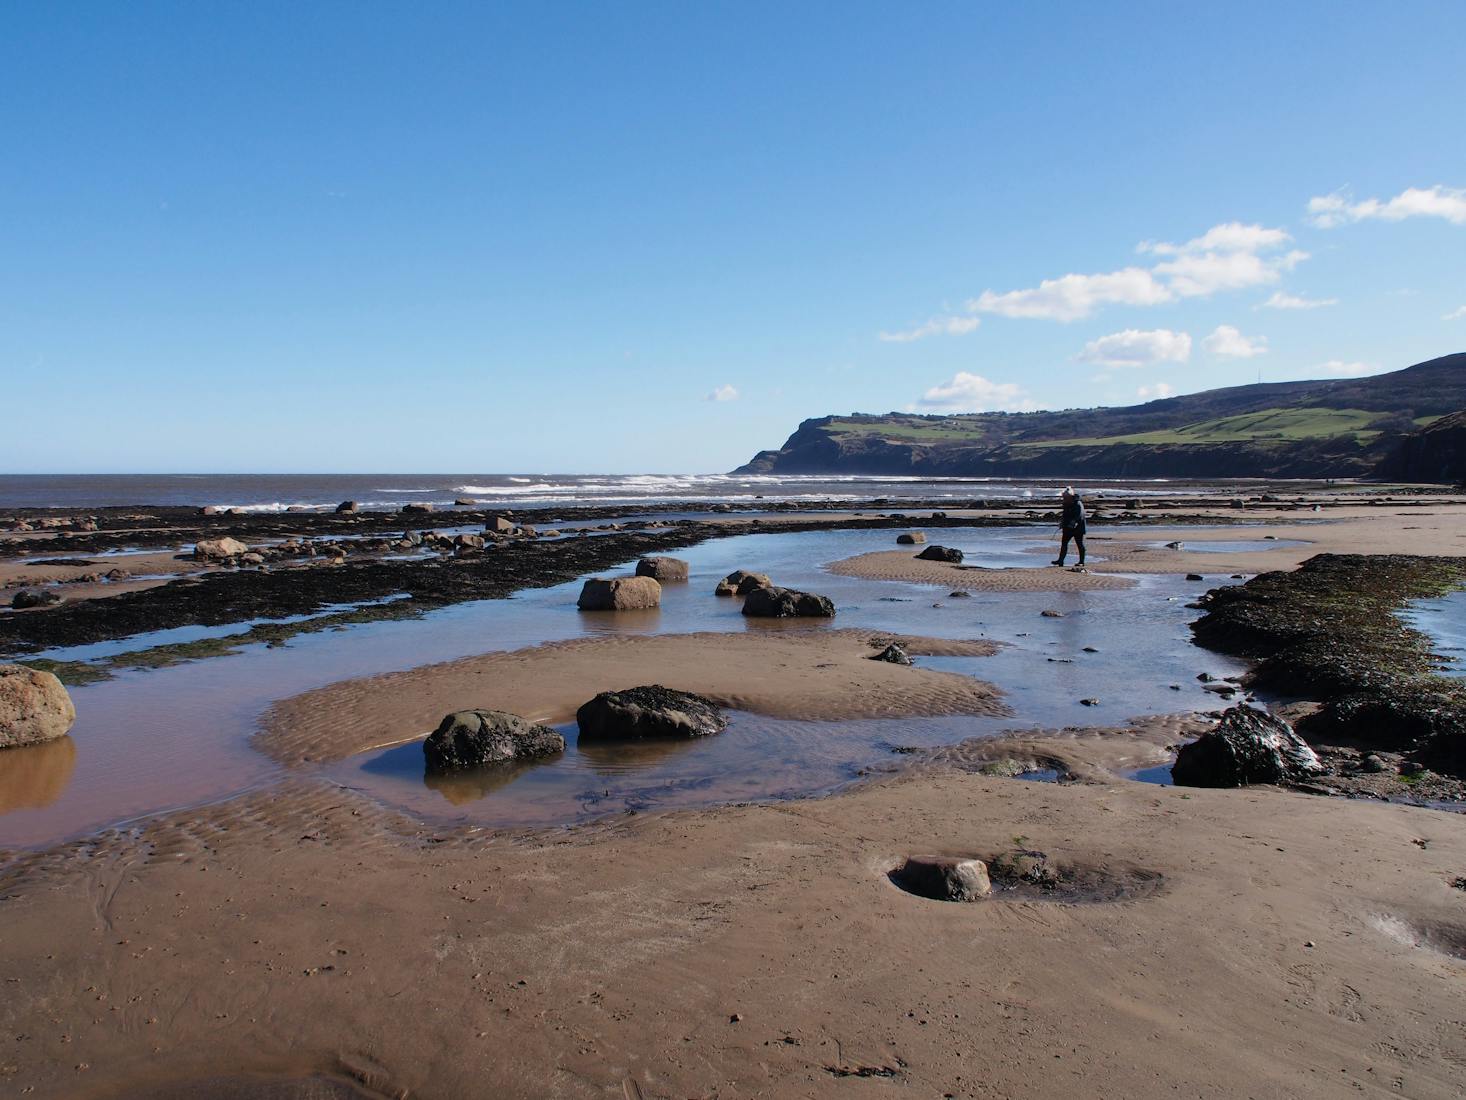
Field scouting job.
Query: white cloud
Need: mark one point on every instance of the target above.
(1154, 393)
(1134, 348)
(1339, 369)
(1455, 314)
(974, 393)
(1231, 256)
(951, 326)
(1227, 342)
(1327, 211)
(1283, 300)
(1073, 297)
(723, 393)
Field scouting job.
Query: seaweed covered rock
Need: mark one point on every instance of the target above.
(473, 738)
(949, 554)
(34, 707)
(652, 711)
(893, 654)
(1247, 746)
(786, 603)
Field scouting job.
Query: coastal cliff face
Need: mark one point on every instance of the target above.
(1435, 453)
(1348, 428)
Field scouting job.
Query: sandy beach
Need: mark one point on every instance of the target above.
(305, 940)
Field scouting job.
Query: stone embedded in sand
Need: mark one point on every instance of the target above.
(34, 707)
(473, 738)
(911, 538)
(1247, 746)
(893, 654)
(620, 594)
(786, 603)
(948, 554)
(213, 549)
(652, 711)
(943, 878)
(733, 584)
(662, 569)
(1023, 865)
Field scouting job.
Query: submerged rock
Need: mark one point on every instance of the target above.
(620, 594)
(473, 738)
(948, 554)
(1247, 746)
(651, 711)
(786, 603)
(943, 878)
(662, 569)
(34, 707)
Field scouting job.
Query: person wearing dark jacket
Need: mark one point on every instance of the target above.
(1071, 525)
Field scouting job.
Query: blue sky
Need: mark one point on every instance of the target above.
(508, 238)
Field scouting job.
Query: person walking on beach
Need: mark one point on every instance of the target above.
(1071, 525)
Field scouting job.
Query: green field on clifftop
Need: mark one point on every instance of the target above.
(1284, 425)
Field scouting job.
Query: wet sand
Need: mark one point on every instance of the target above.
(903, 565)
(1291, 946)
(783, 672)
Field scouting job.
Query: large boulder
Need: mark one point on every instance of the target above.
(499, 525)
(216, 549)
(1247, 746)
(944, 878)
(662, 569)
(732, 584)
(34, 707)
(786, 603)
(649, 712)
(910, 538)
(473, 738)
(620, 594)
(942, 553)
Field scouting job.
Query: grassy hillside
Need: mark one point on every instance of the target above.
(1270, 424)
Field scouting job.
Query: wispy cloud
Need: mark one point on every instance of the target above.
(723, 393)
(1327, 211)
(1231, 256)
(1455, 314)
(1283, 300)
(1340, 369)
(1137, 348)
(949, 326)
(974, 393)
(1227, 342)
(1155, 392)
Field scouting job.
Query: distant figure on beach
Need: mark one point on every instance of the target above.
(1071, 525)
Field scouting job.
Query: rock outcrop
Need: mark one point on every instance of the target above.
(1436, 453)
(474, 738)
(34, 707)
(786, 603)
(217, 549)
(649, 712)
(620, 594)
(662, 569)
(1247, 746)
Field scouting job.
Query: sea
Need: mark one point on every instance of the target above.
(389, 492)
